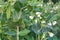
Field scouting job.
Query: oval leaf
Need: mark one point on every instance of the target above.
(24, 32)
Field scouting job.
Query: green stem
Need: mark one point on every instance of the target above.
(38, 37)
(17, 32)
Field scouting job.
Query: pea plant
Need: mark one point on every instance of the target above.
(29, 20)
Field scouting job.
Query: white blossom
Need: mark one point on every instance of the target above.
(50, 24)
(51, 11)
(31, 17)
(35, 20)
(51, 34)
(43, 36)
(43, 21)
(55, 8)
(40, 5)
(54, 22)
(49, 3)
(40, 17)
(26, 9)
(38, 13)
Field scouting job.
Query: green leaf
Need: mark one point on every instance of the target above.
(16, 16)
(8, 12)
(11, 33)
(0, 27)
(34, 2)
(52, 38)
(55, 38)
(29, 37)
(24, 32)
(36, 28)
(23, 1)
(21, 24)
(17, 6)
(55, 17)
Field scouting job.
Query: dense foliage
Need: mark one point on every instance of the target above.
(29, 20)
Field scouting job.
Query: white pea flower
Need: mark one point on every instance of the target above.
(36, 21)
(51, 34)
(38, 13)
(55, 8)
(49, 3)
(43, 36)
(40, 17)
(31, 17)
(54, 22)
(43, 21)
(51, 11)
(50, 24)
(40, 5)
(26, 9)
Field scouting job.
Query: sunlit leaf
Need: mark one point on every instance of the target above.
(24, 32)
(8, 12)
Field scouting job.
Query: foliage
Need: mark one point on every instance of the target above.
(29, 20)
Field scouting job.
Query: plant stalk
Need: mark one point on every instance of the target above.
(17, 32)
(38, 37)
